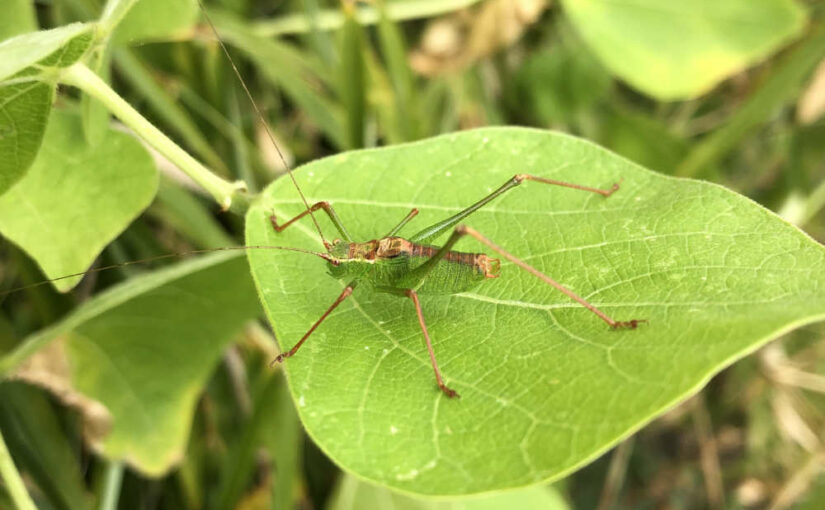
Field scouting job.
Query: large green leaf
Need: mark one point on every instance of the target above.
(680, 49)
(134, 359)
(353, 494)
(545, 386)
(58, 47)
(75, 198)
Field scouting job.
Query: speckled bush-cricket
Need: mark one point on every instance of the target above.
(409, 267)
(412, 267)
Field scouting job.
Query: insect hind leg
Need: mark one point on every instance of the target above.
(422, 271)
(433, 231)
(603, 192)
(462, 230)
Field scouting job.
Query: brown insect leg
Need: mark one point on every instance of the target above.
(344, 295)
(447, 391)
(631, 324)
(604, 192)
(318, 205)
(327, 207)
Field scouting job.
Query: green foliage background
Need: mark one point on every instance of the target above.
(147, 386)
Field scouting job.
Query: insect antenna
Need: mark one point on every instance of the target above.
(263, 121)
(324, 256)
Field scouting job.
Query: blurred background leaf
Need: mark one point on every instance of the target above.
(679, 50)
(76, 198)
(134, 360)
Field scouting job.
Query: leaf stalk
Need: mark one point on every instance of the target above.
(230, 196)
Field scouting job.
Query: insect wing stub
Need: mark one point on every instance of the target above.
(395, 262)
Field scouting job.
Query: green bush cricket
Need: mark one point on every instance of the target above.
(409, 267)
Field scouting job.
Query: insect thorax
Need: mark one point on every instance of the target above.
(392, 261)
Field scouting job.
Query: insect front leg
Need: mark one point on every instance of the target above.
(347, 292)
(327, 208)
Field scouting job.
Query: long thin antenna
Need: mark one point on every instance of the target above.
(263, 121)
(324, 256)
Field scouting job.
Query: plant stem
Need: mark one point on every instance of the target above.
(13, 482)
(111, 486)
(229, 195)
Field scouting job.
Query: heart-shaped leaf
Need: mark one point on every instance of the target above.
(679, 50)
(545, 385)
(76, 198)
(135, 358)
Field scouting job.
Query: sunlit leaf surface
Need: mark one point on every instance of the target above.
(545, 385)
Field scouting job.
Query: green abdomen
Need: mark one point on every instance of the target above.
(447, 277)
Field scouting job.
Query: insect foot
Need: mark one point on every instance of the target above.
(274, 221)
(451, 393)
(631, 324)
(279, 358)
(612, 190)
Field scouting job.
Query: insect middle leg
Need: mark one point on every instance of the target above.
(413, 295)
(420, 273)
(438, 379)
